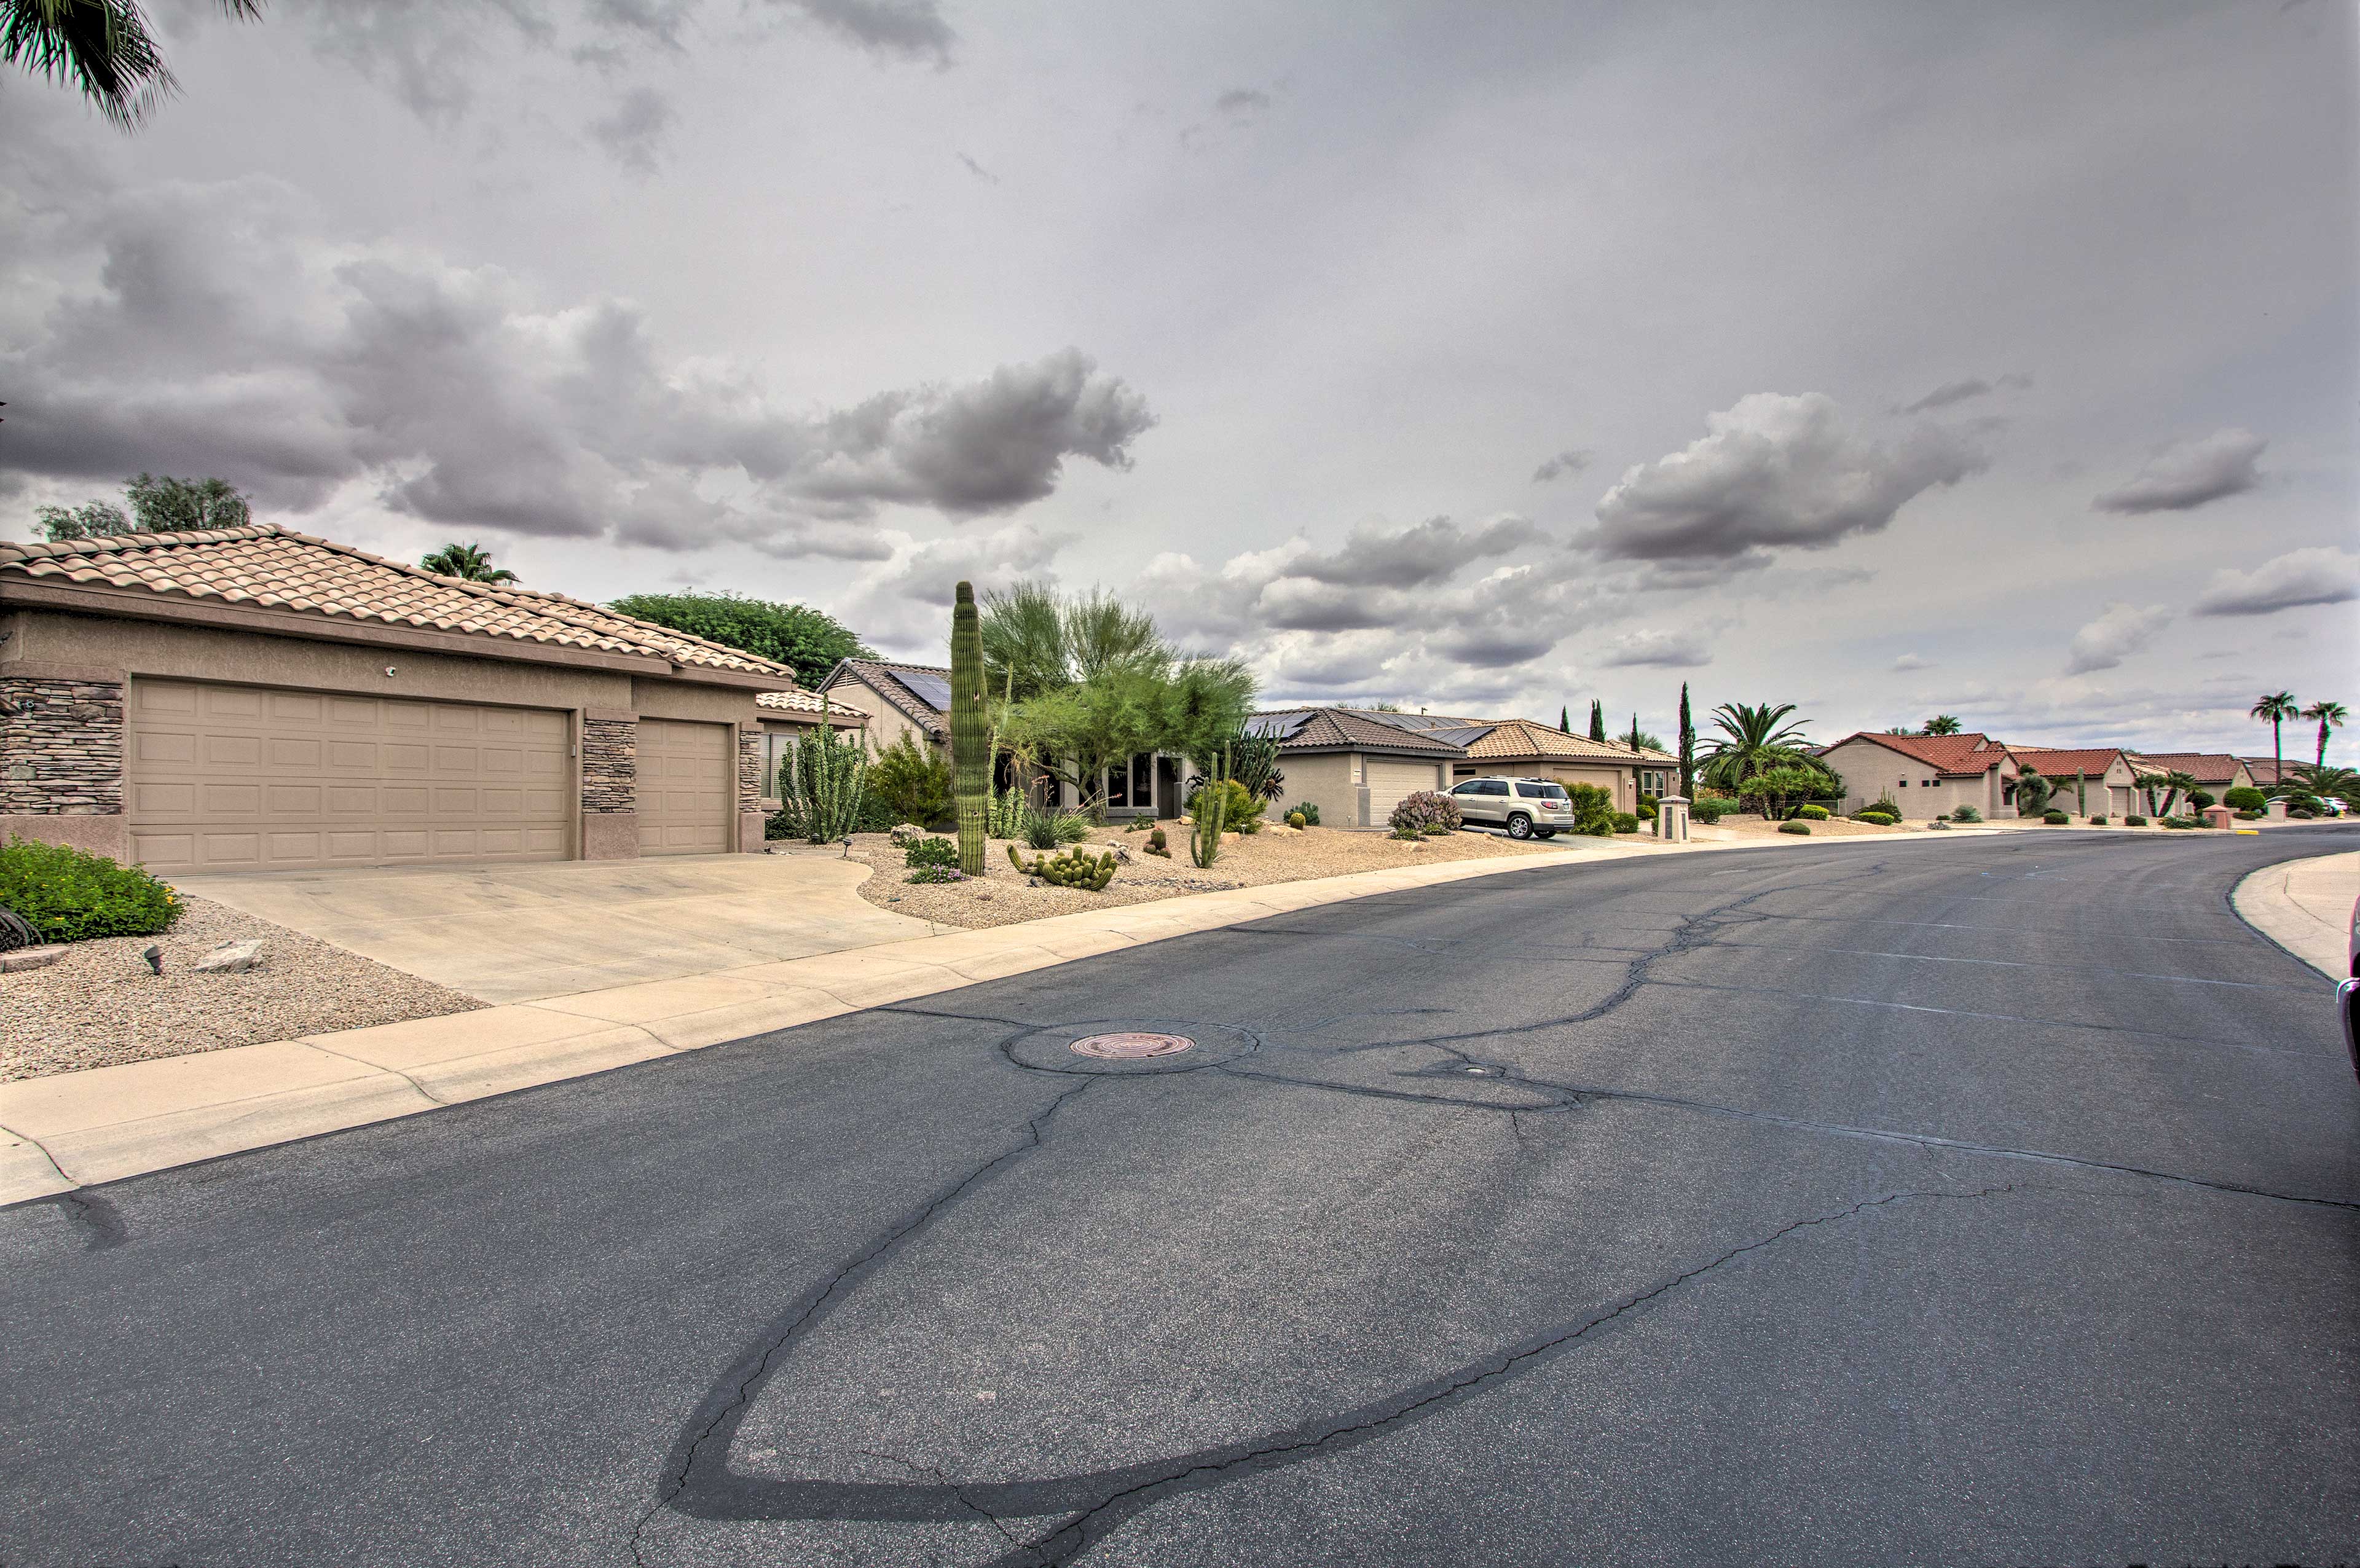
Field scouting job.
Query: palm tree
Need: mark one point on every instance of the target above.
(101, 47)
(1753, 738)
(2276, 707)
(2329, 715)
(1943, 723)
(469, 562)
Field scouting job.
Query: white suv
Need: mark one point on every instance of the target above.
(1527, 807)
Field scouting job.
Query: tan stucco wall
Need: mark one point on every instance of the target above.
(1619, 782)
(1870, 771)
(887, 724)
(1326, 782)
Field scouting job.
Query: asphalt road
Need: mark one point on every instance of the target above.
(1987, 1200)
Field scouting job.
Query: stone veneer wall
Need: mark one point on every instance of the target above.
(62, 750)
(611, 765)
(749, 770)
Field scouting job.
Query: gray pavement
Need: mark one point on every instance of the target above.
(1986, 1201)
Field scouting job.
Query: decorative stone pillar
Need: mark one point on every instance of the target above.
(2219, 817)
(61, 758)
(610, 785)
(750, 787)
(1672, 819)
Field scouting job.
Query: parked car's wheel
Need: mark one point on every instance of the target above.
(1519, 825)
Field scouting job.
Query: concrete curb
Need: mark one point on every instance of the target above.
(2305, 906)
(73, 1130)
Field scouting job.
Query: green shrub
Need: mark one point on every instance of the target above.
(1307, 811)
(1648, 812)
(2055, 819)
(2134, 821)
(1045, 827)
(2303, 813)
(2250, 816)
(913, 783)
(875, 816)
(1875, 819)
(2179, 824)
(2199, 799)
(1965, 814)
(1298, 820)
(1426, 811)
(2245, 798)
(1709, 809)
(2099, 821)
(931, 873)
(1626, 821)
(1810, 813)
(930, 852)
(1802, 828)
(1244, 810)
(70, 895)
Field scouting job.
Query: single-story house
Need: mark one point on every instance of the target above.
(1926, 776)
(1352, 766)
(789, 715)
(899, 700)
(1525, 748)
(2109, 783)
(2267, 772)
(249, 699)
(2215, 772)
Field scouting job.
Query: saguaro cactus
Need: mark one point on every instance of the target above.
(1211, 807)
(971, 731)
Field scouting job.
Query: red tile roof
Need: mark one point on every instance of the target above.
(1952, 756)
(1341, 729)
(809, 703)
(2205, 766)
(2053, 762)
(1530, 737)
(265, 567)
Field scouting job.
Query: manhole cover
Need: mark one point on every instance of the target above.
(1128, 1046)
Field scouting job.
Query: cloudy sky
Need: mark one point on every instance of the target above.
(1991, 359)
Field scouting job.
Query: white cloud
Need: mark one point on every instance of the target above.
(2122, 631)
(1773, 471)
(2189, 474)
(1688, 648)
(2319, 576)
(1909, 662)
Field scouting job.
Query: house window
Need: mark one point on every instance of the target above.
(1142, 780)
(1905, 783)
(1118, 790)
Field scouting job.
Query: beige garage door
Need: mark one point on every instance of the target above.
(1389, 781)
(251, 778)
(687, 786)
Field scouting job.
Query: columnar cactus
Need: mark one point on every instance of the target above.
(971, 731)
(1212, 804)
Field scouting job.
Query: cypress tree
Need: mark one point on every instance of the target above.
(1597, 720)
(1688, 747)
(1565, 721)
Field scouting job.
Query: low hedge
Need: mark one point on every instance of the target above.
(2099, 821)
(1811, 813)
(70, 895)
(1878, 819)
(1626, 821)
(2055, 819)
(1802, 828)
(2134, 821)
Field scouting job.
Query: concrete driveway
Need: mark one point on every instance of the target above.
(516, 933)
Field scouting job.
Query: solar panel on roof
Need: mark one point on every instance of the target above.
(932, 690)
(1276, 725)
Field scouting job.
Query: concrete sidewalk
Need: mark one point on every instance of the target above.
(2305, 906)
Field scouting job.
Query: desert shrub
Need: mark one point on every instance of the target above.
(1424, 811)
(1626, 821)
(937, 873)
(874, 816)
(2302, 800)
(2055, 819)
(2134, 821)
(2250, 816)
(71, 895)
(1648, 809)
(2180, 825)
(913, 782)
(1938, 825)
(2244, 798)
(1802, 828)
(1965, 814)
(1046, 827)
(2303, 813)
(1298, 820)
(2199, 799)
(1307, 811)
(1878, 819)
(1810, 813)
(2099, 821)
(1710, 807)
(1593, 810)
(1244, 810)
(930, 852)
(1407, 835)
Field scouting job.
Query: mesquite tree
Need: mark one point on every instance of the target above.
(971, 731)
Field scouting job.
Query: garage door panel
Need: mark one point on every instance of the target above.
(230, 779)
(687, 786)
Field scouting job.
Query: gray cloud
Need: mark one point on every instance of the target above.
(2122, 631)
(2189, 474)
(913, 29)
(1570, 462)
(1952, 392)
(1430, 551)
(1499, 646)
(215, 338)
(1773, 470)
(1909, 662)
(1680, 648)
(2318, 576)
(1242, 102)
(979, 171)
(633, 130)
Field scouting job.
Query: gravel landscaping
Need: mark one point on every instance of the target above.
(99, 1006)
(1277, 854)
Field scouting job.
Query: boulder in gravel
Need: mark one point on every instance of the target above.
(230, 958)
(906, 833)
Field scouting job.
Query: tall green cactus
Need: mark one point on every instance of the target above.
(1212, 805)
(971, 731)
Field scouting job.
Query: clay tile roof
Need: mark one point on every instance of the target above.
(2265, 770)
(1530, 737)
(1967, 756)
(1345, 729)
(2058, 762)
(893, 682)
(2205, 766)
(801, 701)
(268, 567)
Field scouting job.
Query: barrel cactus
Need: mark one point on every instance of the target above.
(1071, 868)
(971, 731)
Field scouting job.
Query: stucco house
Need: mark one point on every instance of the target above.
(1525, 748)
(250, 699)
(1925, 775)
(2215, 772)
(1353, 766)
(2109, 781)
(789, 715)
(912, 700)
